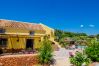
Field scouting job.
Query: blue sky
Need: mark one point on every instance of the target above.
(68, 15)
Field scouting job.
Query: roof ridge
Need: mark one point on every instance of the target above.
(46, 26)
(18, 21)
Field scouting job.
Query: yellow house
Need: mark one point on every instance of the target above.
(23, 35)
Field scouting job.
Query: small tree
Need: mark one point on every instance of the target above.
(79, 59)
(93, 51)
(45, 55)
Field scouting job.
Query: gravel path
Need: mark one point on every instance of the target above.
(62, 57)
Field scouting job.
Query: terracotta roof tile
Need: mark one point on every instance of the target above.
(22, 25)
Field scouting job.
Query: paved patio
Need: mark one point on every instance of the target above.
(62, 57)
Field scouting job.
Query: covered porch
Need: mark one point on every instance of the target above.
(16, 43)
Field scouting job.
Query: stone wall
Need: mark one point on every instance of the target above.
(19, 60)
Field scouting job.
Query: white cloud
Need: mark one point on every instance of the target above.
(91, 25)
(81, 25)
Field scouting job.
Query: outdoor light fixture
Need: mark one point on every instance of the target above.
(18, 40)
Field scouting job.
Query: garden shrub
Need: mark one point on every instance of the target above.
(79, 59)
(46, 50)
(93, 51)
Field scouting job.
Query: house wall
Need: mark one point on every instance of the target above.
(22, 31)
(16, 41)
(17, 38)
(16, 31)
(13, 43)
(21, 44)
(37, 42)
(49, 31)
